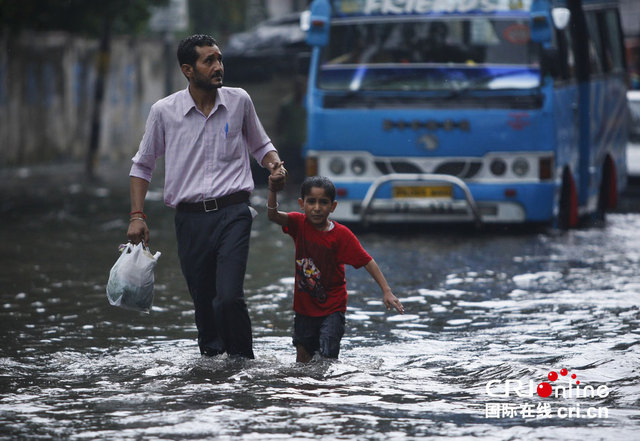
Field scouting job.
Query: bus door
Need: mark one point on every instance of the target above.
(561, 66)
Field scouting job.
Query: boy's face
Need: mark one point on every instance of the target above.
(317, 206)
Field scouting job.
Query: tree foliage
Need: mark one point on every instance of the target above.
(86, 17)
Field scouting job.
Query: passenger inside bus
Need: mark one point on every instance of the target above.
(436, 48)
(481, 41)
(369, 46)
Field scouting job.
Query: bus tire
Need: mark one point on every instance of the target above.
(568, 204)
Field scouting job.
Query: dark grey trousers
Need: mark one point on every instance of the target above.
(213, 249)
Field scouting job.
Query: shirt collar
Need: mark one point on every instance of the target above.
(188, 103)
(221, 99)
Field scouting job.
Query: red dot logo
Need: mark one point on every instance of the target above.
(544, 389)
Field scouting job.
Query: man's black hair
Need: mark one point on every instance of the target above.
(320, 182)
(187, 53)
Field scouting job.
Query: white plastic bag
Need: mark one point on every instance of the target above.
(131, 279)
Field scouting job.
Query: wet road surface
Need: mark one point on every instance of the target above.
(489, 316)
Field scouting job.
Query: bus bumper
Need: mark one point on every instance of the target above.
(474, 202)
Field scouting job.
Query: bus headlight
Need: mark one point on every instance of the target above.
(520, 167)
(498, 167)
(358, 166)
(337, 166)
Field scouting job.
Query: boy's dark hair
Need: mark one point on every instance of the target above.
(187, 53)
(318, 181)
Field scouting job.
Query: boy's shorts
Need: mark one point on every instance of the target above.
(319, 334)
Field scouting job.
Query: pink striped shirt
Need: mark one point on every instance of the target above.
(205, 156)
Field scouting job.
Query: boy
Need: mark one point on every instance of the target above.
(322, 248)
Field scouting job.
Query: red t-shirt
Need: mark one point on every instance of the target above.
(320, 284)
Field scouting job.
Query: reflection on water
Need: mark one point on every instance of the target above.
(480, 307)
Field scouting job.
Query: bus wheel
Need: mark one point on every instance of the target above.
(608, 193)
(568, 205)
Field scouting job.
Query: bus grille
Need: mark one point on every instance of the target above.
(460, 169)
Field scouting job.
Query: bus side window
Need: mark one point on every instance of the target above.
(612, 40)
(594, 42)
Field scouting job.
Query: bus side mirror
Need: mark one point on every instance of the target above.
(318, 23)
(561, 17)
(540, 28)
(540, 23)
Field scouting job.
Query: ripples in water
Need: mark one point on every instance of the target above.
(480, 308)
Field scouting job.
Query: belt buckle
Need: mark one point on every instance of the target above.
(206, 204)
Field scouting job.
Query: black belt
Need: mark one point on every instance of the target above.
(214, 204)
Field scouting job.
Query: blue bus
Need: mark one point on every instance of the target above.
(486, 111)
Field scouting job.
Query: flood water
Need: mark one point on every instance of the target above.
(486, 313)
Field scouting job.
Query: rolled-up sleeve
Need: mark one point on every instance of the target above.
(151, 147)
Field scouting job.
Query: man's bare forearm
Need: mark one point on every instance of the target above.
(138, 191)
(138, 230)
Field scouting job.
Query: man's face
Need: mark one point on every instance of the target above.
(209, 70)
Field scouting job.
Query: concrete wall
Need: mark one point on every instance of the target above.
(47, 84)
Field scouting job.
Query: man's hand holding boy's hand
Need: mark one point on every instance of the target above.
(278, 176)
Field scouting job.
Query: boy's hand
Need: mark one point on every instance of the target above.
(278, 176)
(392, 301)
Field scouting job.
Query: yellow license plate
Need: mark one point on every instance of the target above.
(416, 191)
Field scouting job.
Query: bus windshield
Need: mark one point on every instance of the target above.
(470, 53)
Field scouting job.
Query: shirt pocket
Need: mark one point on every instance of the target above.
(231, 145)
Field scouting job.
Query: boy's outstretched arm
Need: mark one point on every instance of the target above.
(274, 215)
(389, 299)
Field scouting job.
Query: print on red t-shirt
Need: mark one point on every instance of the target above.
(309, 279)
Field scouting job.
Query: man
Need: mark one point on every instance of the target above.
(206, 133)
